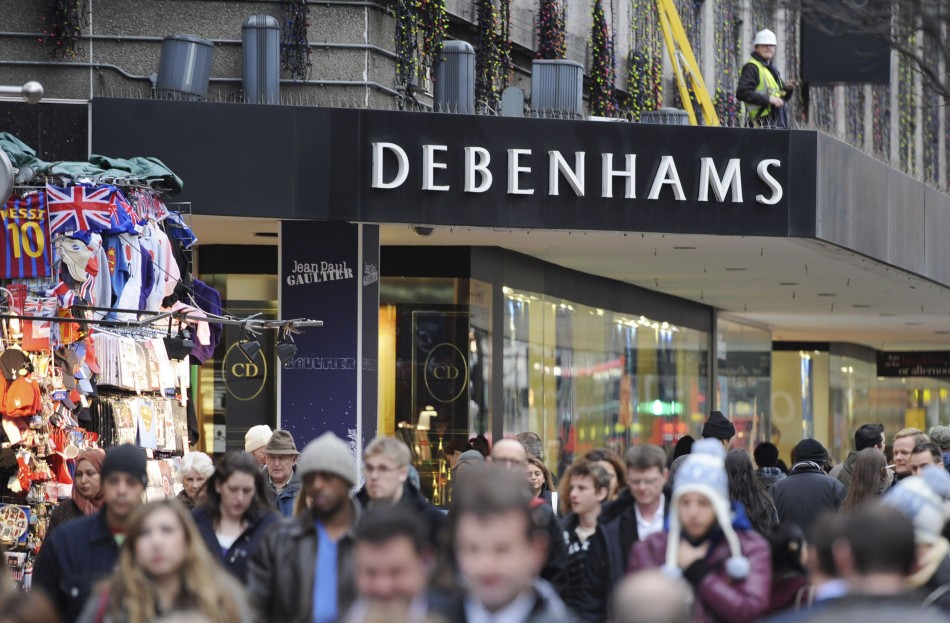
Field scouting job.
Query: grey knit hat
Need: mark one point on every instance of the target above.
(940, 435)
(328, 453)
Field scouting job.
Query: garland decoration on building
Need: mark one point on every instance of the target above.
(881, 120)
(294, 41)
(854, 118)
(644, 61)
(727, 34)
(603, 103)
(493, 51)
(435, 24)
(552, 44)
(63, 22)
(406, 40)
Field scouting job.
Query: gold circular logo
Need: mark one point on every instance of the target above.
(244, 379)
(446, 372)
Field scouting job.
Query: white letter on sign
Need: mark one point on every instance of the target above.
(402, 171)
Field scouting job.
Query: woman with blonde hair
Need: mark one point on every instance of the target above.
(164, 567)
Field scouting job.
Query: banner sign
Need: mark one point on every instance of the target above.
(322, 278)
(898, 364)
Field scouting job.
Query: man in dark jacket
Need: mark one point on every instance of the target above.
(867, 436)
(593, 566)
(386, 466)
(392, 560)
(808, 491)
(283, 479)
(510, 454)
(766, 459)
(500, 549)
(84, 551)
(302, 571)
(639, 510)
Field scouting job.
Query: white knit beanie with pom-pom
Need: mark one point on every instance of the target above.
(704, 472)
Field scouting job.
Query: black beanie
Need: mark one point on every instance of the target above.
(126, 459)
(810, 450)
(718, 426)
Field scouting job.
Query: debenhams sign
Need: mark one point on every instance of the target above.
(718, 181)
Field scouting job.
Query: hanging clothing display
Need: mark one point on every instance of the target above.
(67, 246)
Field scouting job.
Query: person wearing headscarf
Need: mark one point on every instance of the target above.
(87, 490)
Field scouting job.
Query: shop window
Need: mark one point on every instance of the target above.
(743, 381)
(582, 377)
(436, 334)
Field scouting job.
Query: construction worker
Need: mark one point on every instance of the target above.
(760, 86)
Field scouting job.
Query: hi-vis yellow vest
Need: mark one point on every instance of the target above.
(768, 86)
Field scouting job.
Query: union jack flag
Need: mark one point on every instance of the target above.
(85, 208)
(133, 224)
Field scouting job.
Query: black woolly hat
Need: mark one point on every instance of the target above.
(718, 426)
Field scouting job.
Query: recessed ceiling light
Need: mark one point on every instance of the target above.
(266, 234)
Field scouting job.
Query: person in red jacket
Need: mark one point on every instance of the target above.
(728, 564)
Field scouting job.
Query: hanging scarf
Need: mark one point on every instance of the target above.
(88, 506)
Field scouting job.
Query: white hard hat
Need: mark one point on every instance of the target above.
(765, 37)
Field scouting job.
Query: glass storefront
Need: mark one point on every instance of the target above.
(743, 380)
(827, 396)
(584, 377)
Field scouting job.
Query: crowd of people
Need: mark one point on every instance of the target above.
(703, 534)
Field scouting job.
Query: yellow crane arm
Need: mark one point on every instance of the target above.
(683, 61)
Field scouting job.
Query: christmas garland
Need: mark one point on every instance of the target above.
(294, 41)
(729, 62)
(551, 27)
(63, 21)
(644, 60)
(493, 52)
(854, 119)
(406, 40)
(435, 24)
(602, 100)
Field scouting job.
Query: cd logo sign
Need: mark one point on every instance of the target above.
(446, 372)
(243, 379)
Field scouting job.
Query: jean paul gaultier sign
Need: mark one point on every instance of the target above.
(453, 169)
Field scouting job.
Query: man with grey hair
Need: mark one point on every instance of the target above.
(386, 463)
(532, 444)
(652, 597)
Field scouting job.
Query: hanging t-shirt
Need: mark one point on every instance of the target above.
(118, 266)
(131, 293)
(325, 606)
(147, 423)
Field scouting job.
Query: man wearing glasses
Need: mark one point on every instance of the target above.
(511, 455)
(640, 510)
(386, 468)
